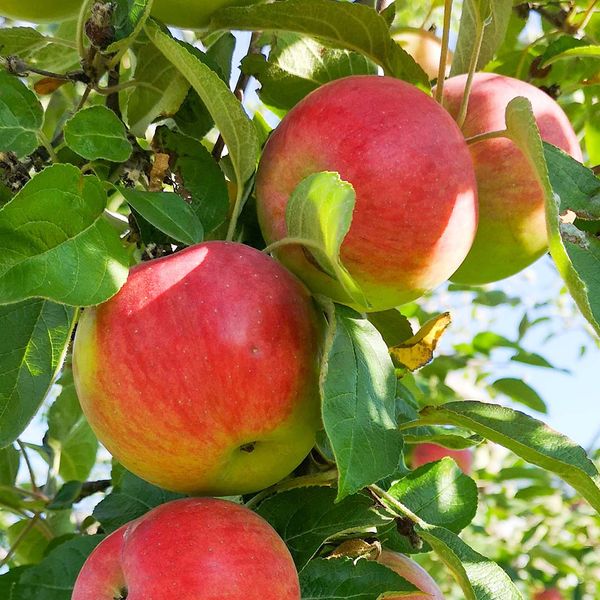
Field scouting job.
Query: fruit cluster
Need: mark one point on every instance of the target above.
(202, 374)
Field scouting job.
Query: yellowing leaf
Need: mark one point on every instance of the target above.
(418, 350)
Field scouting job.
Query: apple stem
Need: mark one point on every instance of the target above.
(397, 506)
(490, 135)
(439, 91)
(462, 113)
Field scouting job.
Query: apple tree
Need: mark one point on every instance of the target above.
(256, 338)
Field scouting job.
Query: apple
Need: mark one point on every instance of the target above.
(412, 572)
(36, 11)
(549, 594)
(191, 14)
(191, 549)
(425, 47)
(416, 201)
(512, 222)
(201, 374)
(426, 453)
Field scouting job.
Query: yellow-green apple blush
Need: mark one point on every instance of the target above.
(192, 14)
(201, 374)
(39, 11)
(416, 201)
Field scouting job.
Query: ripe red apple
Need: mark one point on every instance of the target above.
(191, 14)
(191, 549)
(416, 205)
(201, 374)
(413, 572)
(512, 223)
(425, 47)
(549, 594)
(39, 12)
(426, 453)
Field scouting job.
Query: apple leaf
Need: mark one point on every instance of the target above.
(575, 252)
(128, 18)
(520, 392)
(56, 243)
(478, 576)
(580, 51)
(358, 386)
(491, 15)
(230, 118)
(168, 212)
(527, 437)
(131, 498)
(21, 40)
(69, 433)
(54, 578)
(201, 176)
(338, 24)
(21, 116)
(34, 339)
(9, 581)
(298, 65)
(161, 93)
(307, 517)
(320, 211)
(394, 327)
(97, 133)
(343, 578)
(439, 493)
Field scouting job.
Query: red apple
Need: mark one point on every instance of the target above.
(191, 549)
(413, 572)
(201, 374)
(549, 594)
(426, 453)
(416, 205)
(512, 223)
(425, 47)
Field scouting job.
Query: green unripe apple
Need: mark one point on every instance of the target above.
(37, 11)
(191, 14)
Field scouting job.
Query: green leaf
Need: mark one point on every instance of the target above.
(9, 580)
(577, 52)
(520, 392)
(301, 66)
(10, 459)
(493, 16)
(54, 577)
(307, 517)
(168, 212)
(66, 496)
(69, 433)
(20, 40)
(34, 339)
(161, 94)
(202, 178)
(478, 576)
(230, 118)
(486, 341)
(320, 210)
(440, 493)
(345, 579)
(96, 133)
(525, 436)
(576, 253)
(128, 19)
(21, 116)
(55, 242)
(358, 387)
(394, 327)
(130, 499)
(338, 24)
